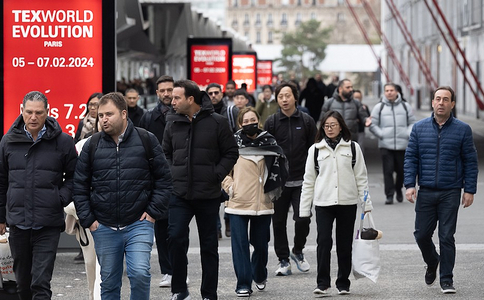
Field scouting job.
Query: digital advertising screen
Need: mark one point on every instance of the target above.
(209, 60)
(244, 69)
(64, 49)
(264, 72)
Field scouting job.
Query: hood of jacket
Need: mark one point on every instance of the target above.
(385, 101)
(17, 128)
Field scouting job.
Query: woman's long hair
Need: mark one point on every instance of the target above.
(345, 132)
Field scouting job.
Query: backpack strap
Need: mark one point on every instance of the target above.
(316, 165)
(353, 154)
(230, 116)
(93, 141)
(145, 139)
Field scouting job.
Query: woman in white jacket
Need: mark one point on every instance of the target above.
(334, 189)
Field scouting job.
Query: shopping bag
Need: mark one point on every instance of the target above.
(6, 259)
(366, 253)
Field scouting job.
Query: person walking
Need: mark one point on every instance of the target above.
(442, 154)
(266, 103)
(335, 181)
(391, 122)
(294, 132)
(253, 185)
(37, 162)
(135, 112)
(86, 126)
(313, 97)
(201, 151)
(122, 185)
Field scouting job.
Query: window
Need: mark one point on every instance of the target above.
(236, 3)
(269, 38)
(340, 17)
(313, 16)
(257, 19)
(246, 34)
(235, 23)
(269, 20)
(258, 37)
(284, 19)
(298, 19)
(246, 20)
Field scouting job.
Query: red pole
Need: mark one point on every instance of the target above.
(389, 47)
(451, 33)
(367, 39)
(413, 46)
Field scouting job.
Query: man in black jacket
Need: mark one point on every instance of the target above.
(119, 192)
(201, 150)
(135, 113)
(37, 162)
(294, 132)
(154, 120)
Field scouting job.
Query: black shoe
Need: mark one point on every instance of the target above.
(79, 259)
(389, 200)
(181, 296)
(219, 234)
(431, 274)
(399, 196)
(447, 288)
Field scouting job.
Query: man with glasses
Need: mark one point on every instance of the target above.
(214, 90)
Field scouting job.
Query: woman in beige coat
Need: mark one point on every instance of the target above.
(254, 183)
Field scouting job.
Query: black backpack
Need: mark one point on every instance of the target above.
(353, 157)
(145, 139)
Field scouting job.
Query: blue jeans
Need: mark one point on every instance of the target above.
(34, 253)
(181, 212)
(135, 242)
(246, 268)
(442, 206)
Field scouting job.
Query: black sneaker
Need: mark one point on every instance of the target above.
(399, 196)
(79, 259)
(447, 288)
(181, 296)
(431, 274)
(389, 200)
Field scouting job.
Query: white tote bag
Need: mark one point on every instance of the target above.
(366, 253)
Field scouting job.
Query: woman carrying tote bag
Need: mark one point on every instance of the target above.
(334, 181)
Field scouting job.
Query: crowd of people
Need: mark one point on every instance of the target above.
(139, 177)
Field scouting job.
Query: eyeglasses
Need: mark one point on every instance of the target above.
(93, 104)
(332, 126)
(215, 93)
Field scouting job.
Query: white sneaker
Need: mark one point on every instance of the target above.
(284, 268)
(301, 263)
(319, 293)
(165, 281)
(188, 281)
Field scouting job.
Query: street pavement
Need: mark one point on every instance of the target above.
(402, 268)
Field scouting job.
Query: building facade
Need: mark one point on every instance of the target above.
(264, 21)
(465, 19)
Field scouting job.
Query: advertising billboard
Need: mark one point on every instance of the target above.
(244, 69)
(264, 72)
(209, 60)
(64, 49)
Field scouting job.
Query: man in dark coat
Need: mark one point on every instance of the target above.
(201, 150)
(119, 192)
(37, 162)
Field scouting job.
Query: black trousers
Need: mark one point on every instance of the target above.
(34, 253)
(290, 196)
(345, 221)
(392, 162)
(161, 237)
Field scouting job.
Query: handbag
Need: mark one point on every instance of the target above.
(366, 252)
(6, 259)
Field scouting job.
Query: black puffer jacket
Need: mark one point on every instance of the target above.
(36, 178)
(201, 153)
(119, 188)
(295, 134)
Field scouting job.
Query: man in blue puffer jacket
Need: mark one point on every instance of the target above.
(119, 194)
(441, 153)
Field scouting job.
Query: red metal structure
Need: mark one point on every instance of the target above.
(388, 46)
(454, 53)
(367, 39)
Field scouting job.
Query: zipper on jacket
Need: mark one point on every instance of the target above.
(118, 216)
(439, 131)
(189, 169)
(394, 127)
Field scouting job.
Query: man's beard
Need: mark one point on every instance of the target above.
(347, 95)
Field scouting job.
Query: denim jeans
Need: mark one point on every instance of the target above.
(345, 216)
(34, 252)
(181, 212)
(290, 196)
(392, 162)
(247, 269)
(135, 241)
(442, 206)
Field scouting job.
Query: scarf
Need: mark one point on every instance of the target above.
(333, 143)
(265, 144)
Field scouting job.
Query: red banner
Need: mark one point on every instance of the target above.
(243, 70)
(54, 47)
(264, 72)
(209, 63)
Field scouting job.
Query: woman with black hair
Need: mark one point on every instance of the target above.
(335, 180)
(87, 126)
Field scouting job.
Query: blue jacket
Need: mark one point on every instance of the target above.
(444, 158)
(118, 187)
